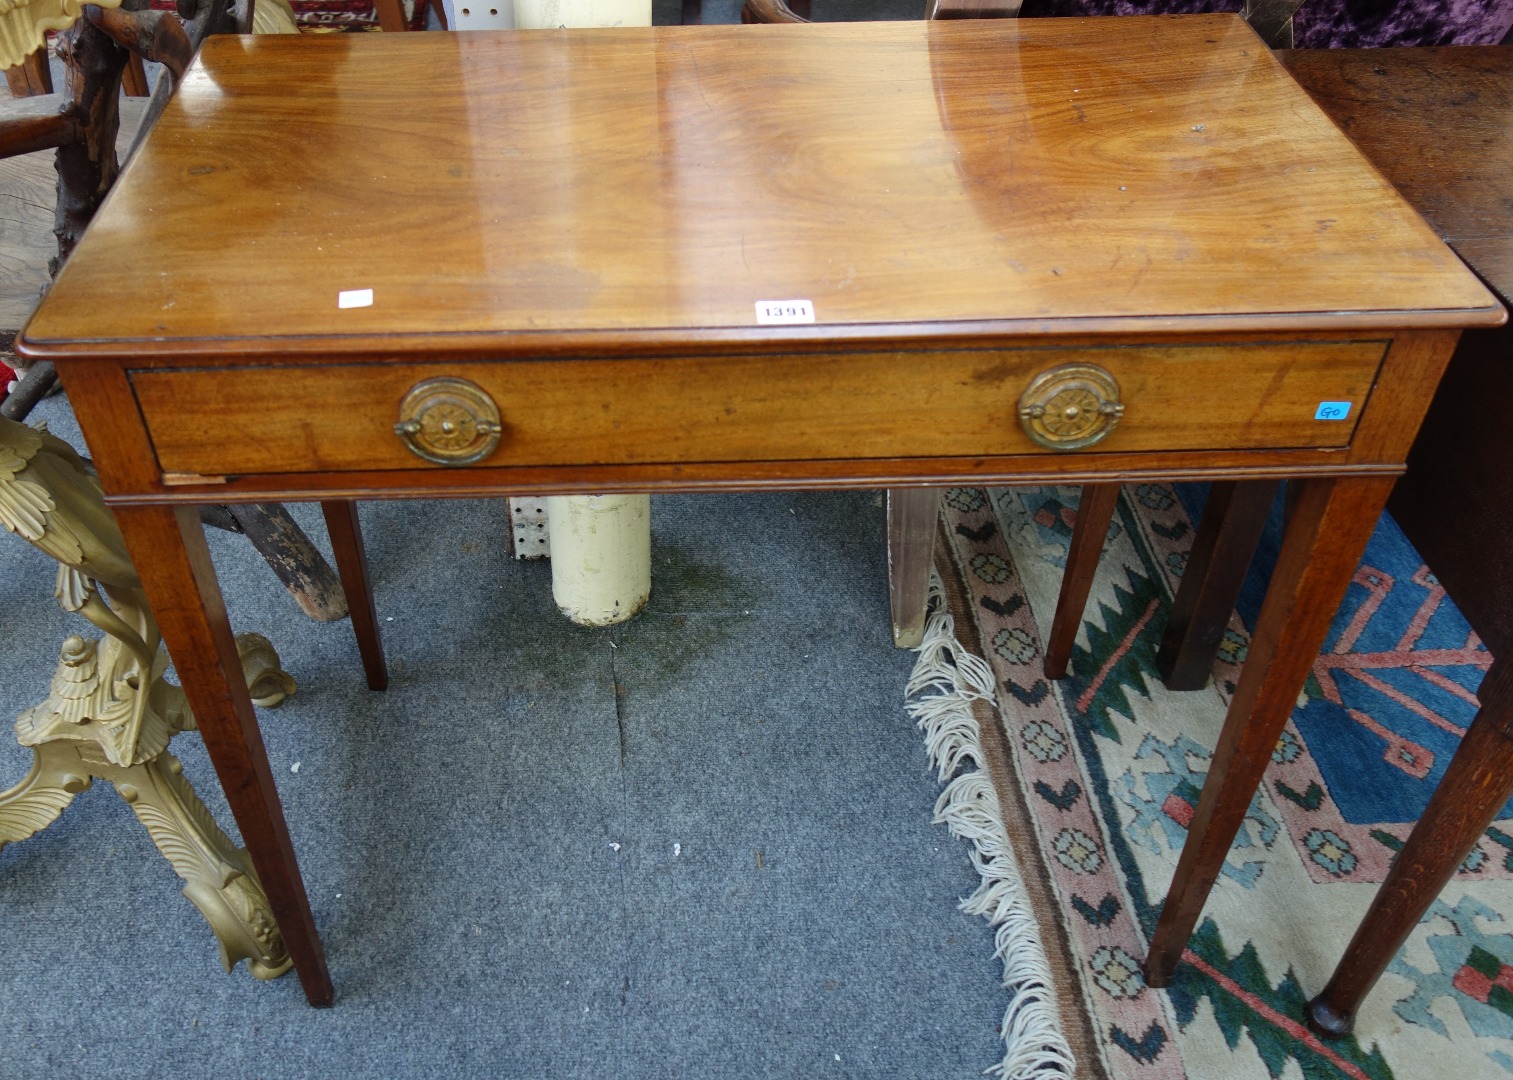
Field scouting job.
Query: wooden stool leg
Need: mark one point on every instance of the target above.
(1094, 514)
(1216, 568)
(1475, 787)
(1321, 547)
(167, 546)
(913, 515)
(352, 566)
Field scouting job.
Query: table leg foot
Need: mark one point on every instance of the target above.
(1325, 1021)
(1476, 785)
(1322, 544)
(218, 879)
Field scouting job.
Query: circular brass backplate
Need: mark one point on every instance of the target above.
(1070, 406)
(449, 421)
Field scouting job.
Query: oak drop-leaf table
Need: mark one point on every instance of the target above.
(722, 258)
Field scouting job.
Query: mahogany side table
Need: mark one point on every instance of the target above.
(826, 256)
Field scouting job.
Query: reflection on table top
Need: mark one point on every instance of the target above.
(1439, 124)
(1133, 173)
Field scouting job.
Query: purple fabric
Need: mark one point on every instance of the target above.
(1334, 24)
(1341, 24)
(1054, 8)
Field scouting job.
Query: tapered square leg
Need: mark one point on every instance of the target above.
(168, 549)
(1216, 568)
(1323, 543)
(913, 514)
(352, 565)
(1095, 512)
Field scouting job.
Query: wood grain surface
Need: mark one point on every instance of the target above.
(26, 234)
(1156, 172)
(1439, 124)
(755, 408)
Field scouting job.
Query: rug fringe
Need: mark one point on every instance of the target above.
(946, 681)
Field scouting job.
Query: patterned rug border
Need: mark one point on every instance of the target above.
(944, 693)
(1233, 1010)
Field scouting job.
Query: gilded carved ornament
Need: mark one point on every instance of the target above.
(24, 24)
(111, 713)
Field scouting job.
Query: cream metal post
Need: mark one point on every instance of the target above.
(600, 544)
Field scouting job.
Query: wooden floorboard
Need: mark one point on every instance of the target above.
(26, 233)
(27, 198)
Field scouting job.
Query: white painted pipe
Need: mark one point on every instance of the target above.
(551, 14)
(601, 556)
(600, 544)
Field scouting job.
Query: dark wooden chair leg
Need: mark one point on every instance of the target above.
(134, 78)
(40, 379)
(391, 16)
(1216, 567)
(31, 77)
(167, 546)
(294, 560)
(913, 517)
(352, 565)
(1476, 785)
(1321, 547)
(1094, 514)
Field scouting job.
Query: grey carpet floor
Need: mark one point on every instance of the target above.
(458, 833)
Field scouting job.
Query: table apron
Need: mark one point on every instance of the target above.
(723, 477)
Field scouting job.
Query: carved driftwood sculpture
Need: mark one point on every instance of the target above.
(111, 713)
(82, 124)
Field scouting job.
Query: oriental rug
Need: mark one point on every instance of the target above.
(327, 16)
(1076, 796)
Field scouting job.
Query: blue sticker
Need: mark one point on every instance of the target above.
(1333, 410)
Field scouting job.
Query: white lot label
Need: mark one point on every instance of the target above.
(355, 298)
(781, 312)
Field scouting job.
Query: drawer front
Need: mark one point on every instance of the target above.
(833, 406)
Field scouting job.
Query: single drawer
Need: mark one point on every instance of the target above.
(831, 406)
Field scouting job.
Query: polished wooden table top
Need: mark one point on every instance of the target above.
(1439, 124)
(1137, 174)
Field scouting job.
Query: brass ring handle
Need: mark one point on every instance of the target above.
(449, 421)
(1070, 406)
